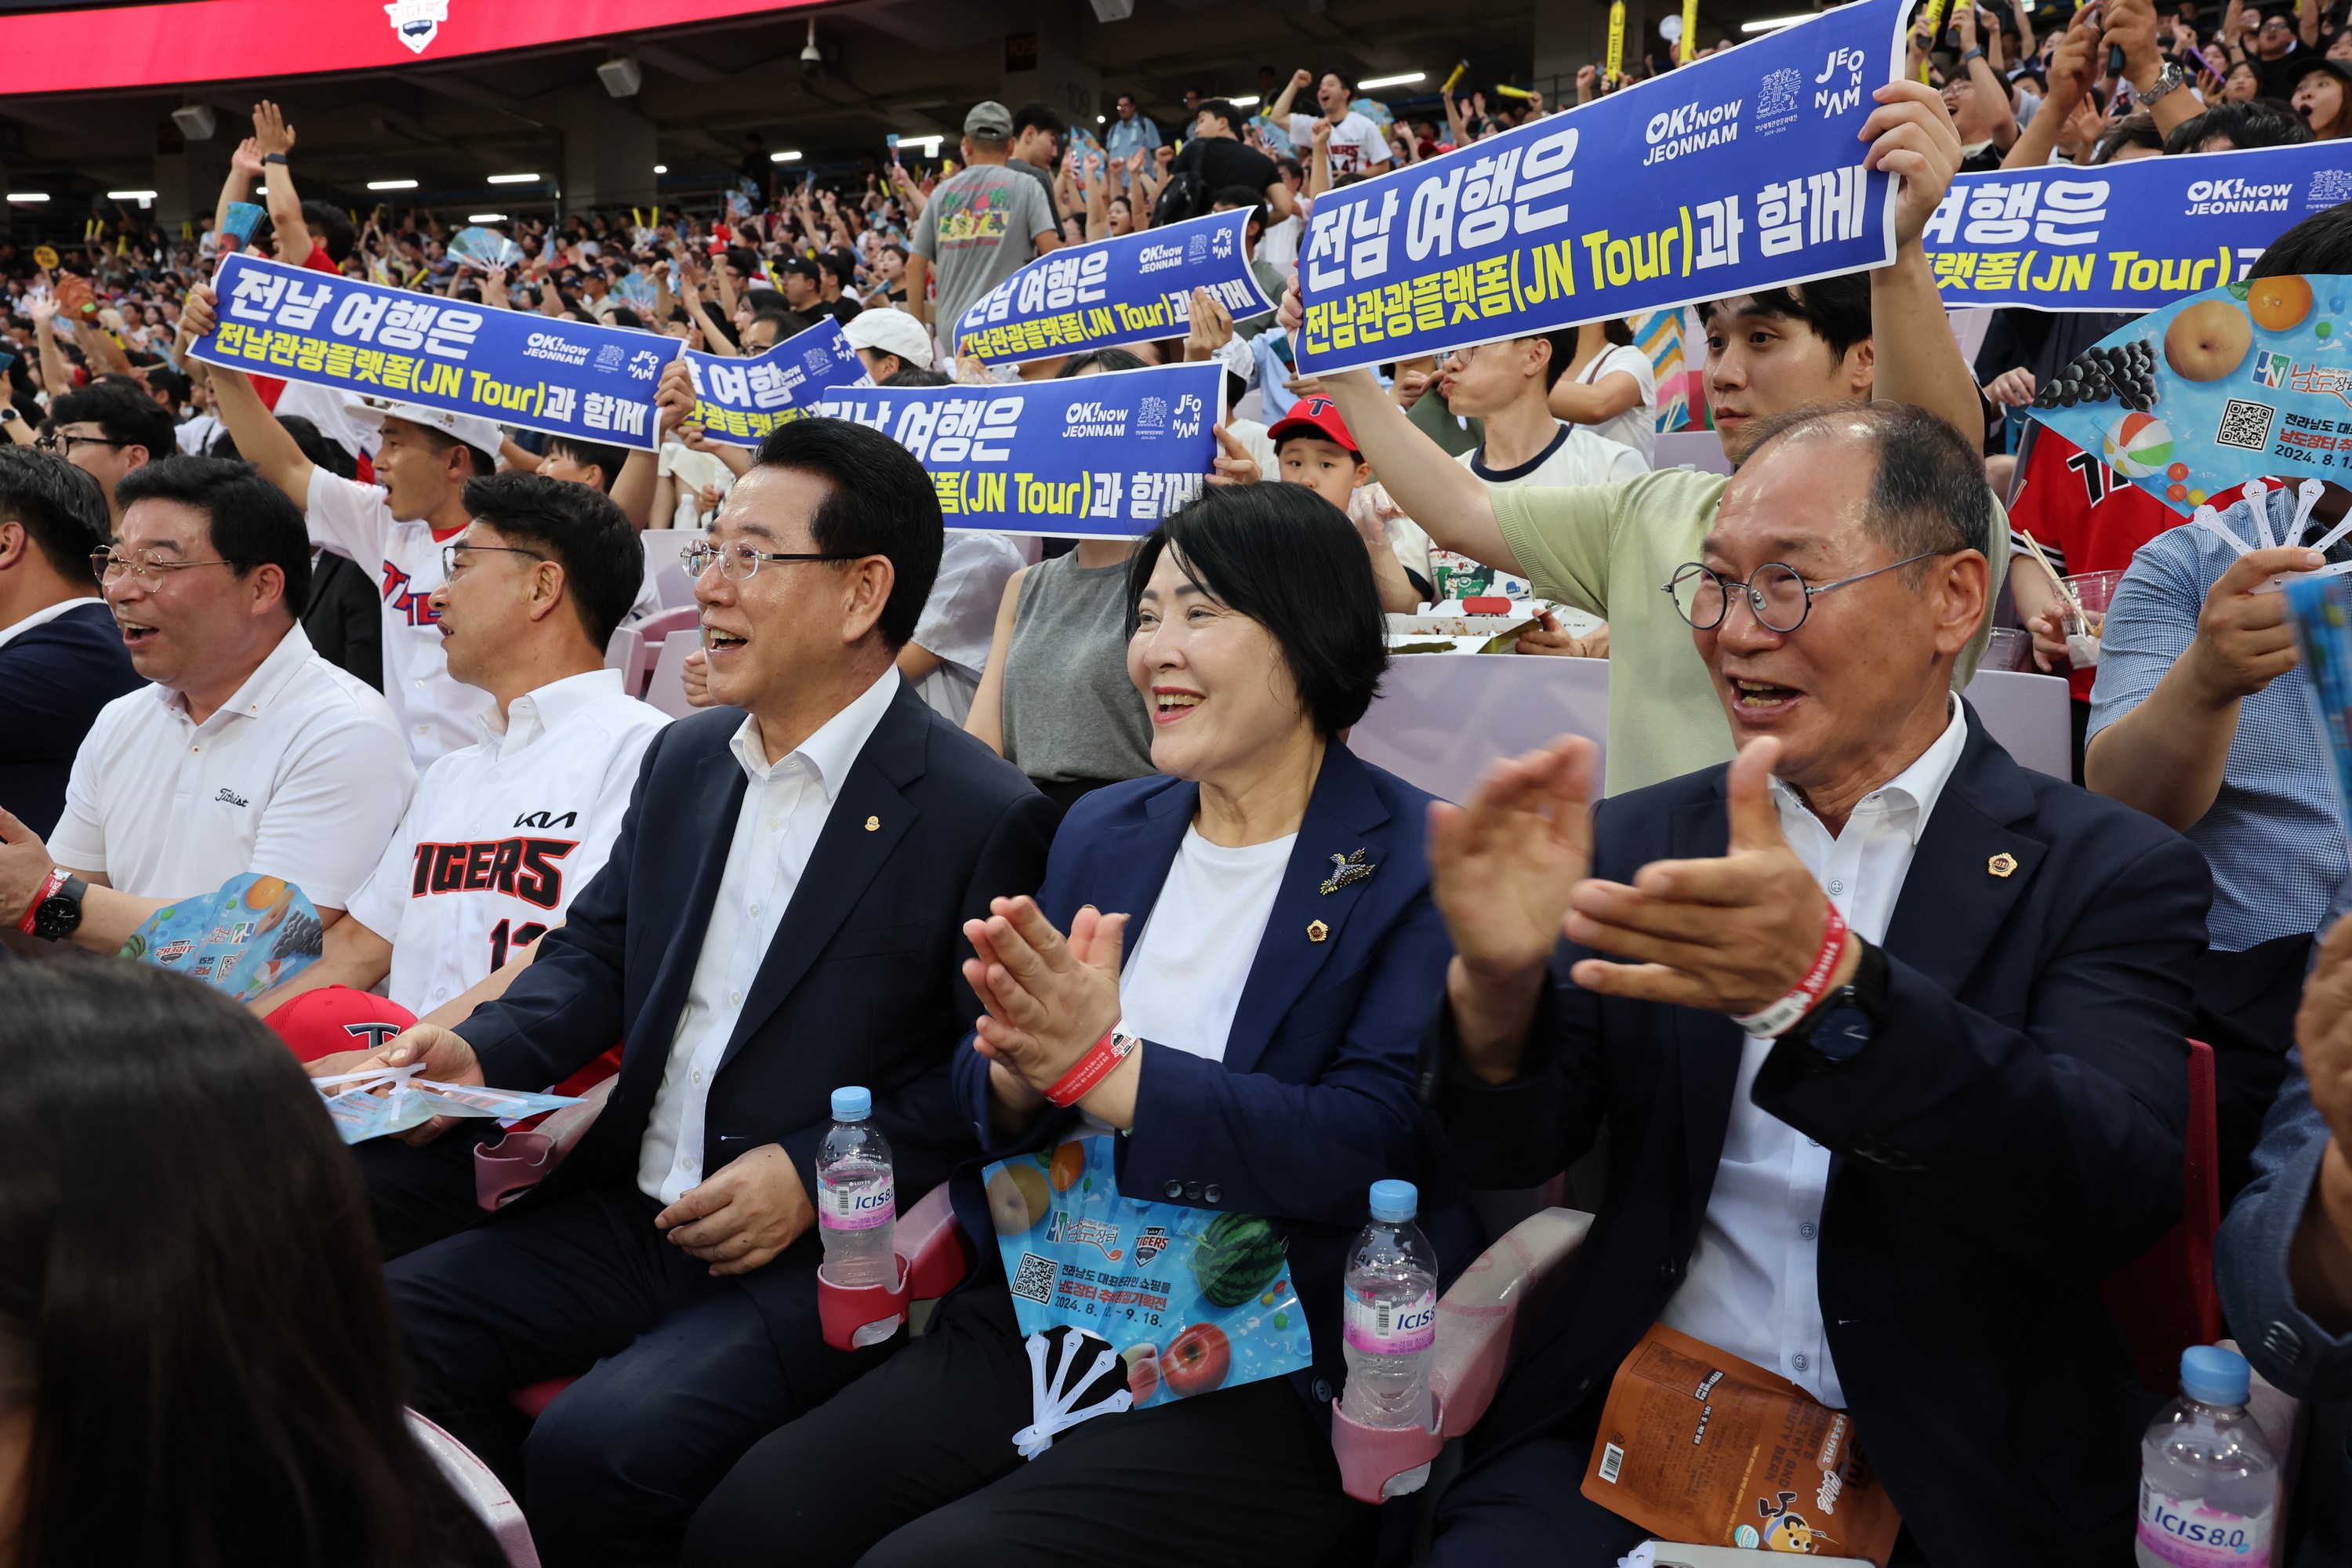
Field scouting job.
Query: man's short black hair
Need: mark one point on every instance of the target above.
(581, 530)
(130, 417)
(1036, 115)
(61, 507)
(1293, 563)
(2242, 125)
(918, 375)
(485, 463)
(1241, 199)
(1292, 166)
(1563, 350)
(163, 378)
(2320, 244)
(323, 450)
(879, 501)
(250, 522)
(1835, 308)
(330, 226)
(843, 268)
(584, 453)
(1222, 109)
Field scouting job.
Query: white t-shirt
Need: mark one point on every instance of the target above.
(1576, 457)
(1638, 426)
(437, 714)
(1356, 146)
(503, 834)
(958, 619)
(1278, 245)
(300, 774)
(1184, 983)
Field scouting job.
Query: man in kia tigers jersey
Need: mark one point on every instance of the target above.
(506, 831)
(394, 529)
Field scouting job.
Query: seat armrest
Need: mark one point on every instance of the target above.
(937, 1252)
(481, 1488)
(1479, 1318)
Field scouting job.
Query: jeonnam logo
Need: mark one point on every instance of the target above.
(417, 23)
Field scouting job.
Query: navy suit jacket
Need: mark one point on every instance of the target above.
(53, 681)
(2279, 1337)
(1313, 1101)
(862, 985)
(2009, 1138)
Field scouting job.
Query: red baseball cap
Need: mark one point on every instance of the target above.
(337, 1018)
(1317, 417)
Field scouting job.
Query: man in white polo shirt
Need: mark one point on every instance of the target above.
(394, 529)
(505, 831)
(250, 753)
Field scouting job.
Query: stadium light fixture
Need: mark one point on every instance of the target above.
(29, 195)
(661, 168)
(141, 197)
(392, 184)
(1251, 102)
(1773, 23)
(514, 179)
(928, 144)
(784, 157)
(486, 218)
(1403, 78)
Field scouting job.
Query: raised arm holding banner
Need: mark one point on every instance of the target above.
(1127, 289)
(567, 378)
(738, 401)
(1739, 172)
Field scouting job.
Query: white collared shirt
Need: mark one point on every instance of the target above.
(44, 615)
(1754, 1286)
(300, 774)
(784, 809)
(504, 833)
(436, 711)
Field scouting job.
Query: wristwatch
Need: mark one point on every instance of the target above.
(2167, 80)
(273, 157)
(1845, 1020)
(58, 916)
(1972, 54)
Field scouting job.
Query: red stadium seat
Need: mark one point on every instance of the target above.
(479, 1486)
(2164, 1300)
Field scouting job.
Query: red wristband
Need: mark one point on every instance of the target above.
(56, 878)
(1097, 1064)
(1808, 990)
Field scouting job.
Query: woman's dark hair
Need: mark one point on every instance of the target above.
(59, 507)
(879, 501)
(1100, 359)
(2239, 124)
(1293, 563)
(2321, 243)
(191, 1301)
(1616, 331)
(250, 521)
(580, 529)
(2131, 131)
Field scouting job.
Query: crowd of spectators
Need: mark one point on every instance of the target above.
(248, 626)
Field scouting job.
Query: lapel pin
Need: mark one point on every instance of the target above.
(2002, 863)
(874, 824)
(1317, 931)
(1346, 870)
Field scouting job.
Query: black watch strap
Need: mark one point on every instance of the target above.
(58, 916)
(1866, 992)
(273, 158)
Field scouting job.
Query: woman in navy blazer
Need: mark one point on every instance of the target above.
(1273, 892)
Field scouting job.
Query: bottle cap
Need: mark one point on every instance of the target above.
(852, 1104)
(1394, 1200)
(2211, 1375)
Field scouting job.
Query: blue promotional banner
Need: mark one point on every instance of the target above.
(568, 378)
(1103, 456)
(2199, 396)
(1124, 290)
(1739, 172)
(2126, 237)
(738, 401)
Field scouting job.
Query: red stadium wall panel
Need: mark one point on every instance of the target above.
(214, 40)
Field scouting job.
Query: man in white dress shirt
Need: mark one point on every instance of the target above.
(1893, 1064)
(779, 917)
(247, 752)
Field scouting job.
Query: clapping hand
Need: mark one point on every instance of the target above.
(1049, 998)
(1729, 935)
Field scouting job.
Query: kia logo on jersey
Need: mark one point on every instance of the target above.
(547, 819)
(520, 867)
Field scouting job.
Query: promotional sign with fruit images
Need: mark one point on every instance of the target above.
(1193, 1299)
(2249, 378)
(254, 934)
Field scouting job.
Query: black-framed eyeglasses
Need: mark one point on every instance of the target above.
(146, 566)
(453, 556)
(739, 561)
(1776, 593)
(63, 445)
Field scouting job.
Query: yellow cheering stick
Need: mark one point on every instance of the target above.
(1616, 62)
(1933, 30)
(1690, 31)
(1461, 69)
(1507, 90)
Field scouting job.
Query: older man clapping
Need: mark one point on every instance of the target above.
(1887, 1029)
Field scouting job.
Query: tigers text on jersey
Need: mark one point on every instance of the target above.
(503, 834)
(437, 714)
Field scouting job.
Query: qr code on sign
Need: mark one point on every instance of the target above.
(1034, 1280)
(1612, 1459)
(2246, 425)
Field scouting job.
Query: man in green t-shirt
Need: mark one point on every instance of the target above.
(1608, 549)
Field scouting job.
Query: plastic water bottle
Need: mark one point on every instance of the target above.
(1391, 1322)
(2209, 1483)
(857, 1201)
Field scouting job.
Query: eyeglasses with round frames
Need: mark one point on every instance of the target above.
(1778, 594)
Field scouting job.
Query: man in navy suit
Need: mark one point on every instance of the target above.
(61, 658)
(1893, 1069)
(781, 916)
